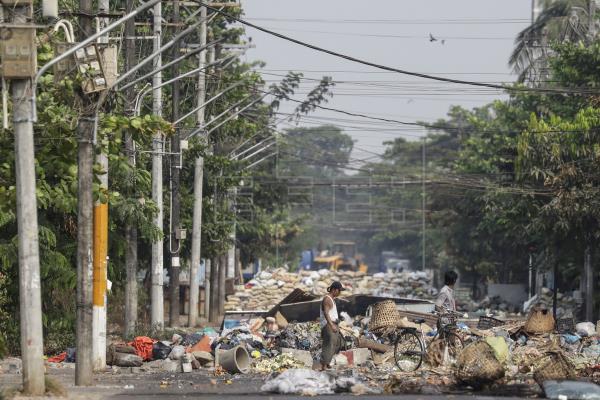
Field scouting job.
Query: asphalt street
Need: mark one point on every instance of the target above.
(124, 385)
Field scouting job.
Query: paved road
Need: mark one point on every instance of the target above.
(287, 397)
(202, 385)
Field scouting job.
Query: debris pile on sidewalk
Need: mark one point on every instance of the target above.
(268, 288)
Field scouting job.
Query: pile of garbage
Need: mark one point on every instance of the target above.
(568, 306)
(302, 336)
(530, 351)
(268, 288)
(495, 305)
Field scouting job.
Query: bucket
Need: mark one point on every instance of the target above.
(236, 360)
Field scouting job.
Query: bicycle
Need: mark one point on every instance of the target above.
(410, 346)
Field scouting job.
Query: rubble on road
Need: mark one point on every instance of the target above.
(279, 363)
(497, 352)
(268, 288)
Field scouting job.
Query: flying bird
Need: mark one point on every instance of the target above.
(431, 38)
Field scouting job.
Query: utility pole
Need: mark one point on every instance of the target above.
(535, 10)
(131, 258)
(207, 272)
(588, 276)
(86, 128)
(30, 304)
(157, 302)
(591, 20)
(213, 315)
(423, 203)
(221, 288)
(175, 200)
(232, 197)
(198, 178)
(100, 242)
(196, 239)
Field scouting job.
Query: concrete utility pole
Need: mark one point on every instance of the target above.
(86, 127)
(100, 242)
(591, 20)
(232, 198)
(588, 278)
(221, 292)
(207, 272)
(157, 302)
(536, 8)
(216, 262)
(174, 243)
(423, 203)
(131, 257)
(198, 178)
(30, 304)
(213, 314)
(196, 239)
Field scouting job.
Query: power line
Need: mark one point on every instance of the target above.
(392, 36)
(445, 21)
(392, 69)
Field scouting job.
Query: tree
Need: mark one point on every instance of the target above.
(560, 21)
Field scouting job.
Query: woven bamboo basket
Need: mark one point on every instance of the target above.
(540, 321)
(554, 365)
(477, 365)
(385, 315)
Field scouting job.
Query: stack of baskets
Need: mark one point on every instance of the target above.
(477, 365)
(554, 365)
(384, 315)
(540, 321)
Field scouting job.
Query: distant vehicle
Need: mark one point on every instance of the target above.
(251, 269)
(343, 258)
(390, 261)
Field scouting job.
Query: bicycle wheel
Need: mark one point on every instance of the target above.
(454, 344)
(408, 351)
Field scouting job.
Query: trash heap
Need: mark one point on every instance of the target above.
(268, 288)
(528, 352)
(302, 336)
(567, 305)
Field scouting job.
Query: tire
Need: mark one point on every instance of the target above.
(408, 351)
(455, 345)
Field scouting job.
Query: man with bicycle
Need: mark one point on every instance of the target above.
(445, 301)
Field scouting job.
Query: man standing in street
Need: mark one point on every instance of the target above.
(445, 300)
(330, 333)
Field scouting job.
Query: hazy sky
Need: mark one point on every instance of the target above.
(474, 40)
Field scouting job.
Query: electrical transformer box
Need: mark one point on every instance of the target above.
(18, 52)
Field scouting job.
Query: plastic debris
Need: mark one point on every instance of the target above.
(571, 390)
(498, 344)
(143, 346)
(585, 329)
(160, 350)
(308, 382)
(305, 382)
(177, 352)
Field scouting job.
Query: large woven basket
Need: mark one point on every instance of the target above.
(385, 315)
(553, 366)
(477, 365)
(540, 321)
